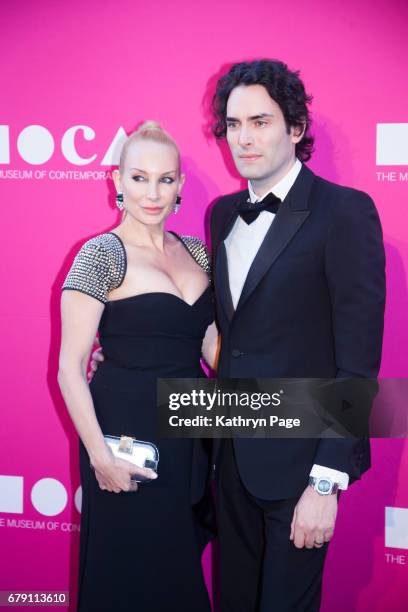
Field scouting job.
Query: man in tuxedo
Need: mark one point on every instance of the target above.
(300, 291)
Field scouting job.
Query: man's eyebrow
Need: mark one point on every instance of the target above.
(261, 116)
(253, 117)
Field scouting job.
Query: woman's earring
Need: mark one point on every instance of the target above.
(177, 205)
(119, 200)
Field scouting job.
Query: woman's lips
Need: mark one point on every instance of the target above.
(153, 210)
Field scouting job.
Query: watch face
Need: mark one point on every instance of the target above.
(324, 486)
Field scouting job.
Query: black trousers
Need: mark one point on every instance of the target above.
(260, 568)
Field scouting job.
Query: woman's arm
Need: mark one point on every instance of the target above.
(211, 346)
(80, 315)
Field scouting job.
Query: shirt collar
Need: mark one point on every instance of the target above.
(282, 187)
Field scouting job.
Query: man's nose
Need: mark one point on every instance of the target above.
(245, 137)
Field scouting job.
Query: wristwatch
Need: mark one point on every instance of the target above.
(323, 485)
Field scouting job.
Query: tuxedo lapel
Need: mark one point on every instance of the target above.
(222, 286)
(289, 219)
(230, 216)
(222, 281)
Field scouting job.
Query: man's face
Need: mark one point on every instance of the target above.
(262, 149)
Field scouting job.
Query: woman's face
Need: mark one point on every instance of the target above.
(150, 181)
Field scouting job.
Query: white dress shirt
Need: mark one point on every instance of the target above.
(242, 245)
(243, 241)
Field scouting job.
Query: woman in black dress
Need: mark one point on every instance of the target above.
(147, 292)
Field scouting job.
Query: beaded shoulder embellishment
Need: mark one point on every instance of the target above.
(99, 267)
(198, 251)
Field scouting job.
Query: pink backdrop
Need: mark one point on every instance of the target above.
(111, 65)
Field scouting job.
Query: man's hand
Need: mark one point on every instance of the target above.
(313, 519)
(96, 358)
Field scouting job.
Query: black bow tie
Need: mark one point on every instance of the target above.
(249, 211)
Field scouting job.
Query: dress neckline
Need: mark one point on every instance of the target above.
(136, 295)
(166, 293)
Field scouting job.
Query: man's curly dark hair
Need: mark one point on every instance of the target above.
(282, 84)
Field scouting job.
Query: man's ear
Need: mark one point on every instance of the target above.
(298, 132)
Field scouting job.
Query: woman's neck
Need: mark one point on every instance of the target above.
(135, 233)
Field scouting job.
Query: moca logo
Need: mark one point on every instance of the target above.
(392, 144)
(396, 527)
(48, 496)
(36, 145)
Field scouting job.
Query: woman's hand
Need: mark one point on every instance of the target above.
(211, 346)
(114, 474)
(97, 357)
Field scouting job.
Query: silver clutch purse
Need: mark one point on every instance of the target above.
(141, 454)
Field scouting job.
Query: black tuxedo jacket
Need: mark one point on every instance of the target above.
(312, 306)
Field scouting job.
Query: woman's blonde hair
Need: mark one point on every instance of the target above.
(152, 131)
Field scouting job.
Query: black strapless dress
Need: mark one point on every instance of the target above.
(141, 551)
